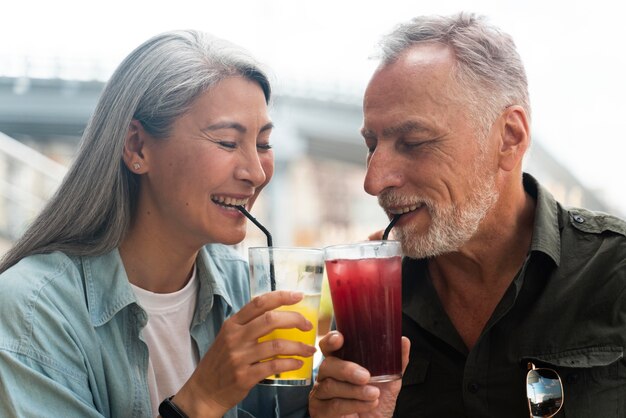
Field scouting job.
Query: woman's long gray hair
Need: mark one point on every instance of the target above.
(93, 207)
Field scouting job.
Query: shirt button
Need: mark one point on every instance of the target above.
(579, 219)
(473, 387)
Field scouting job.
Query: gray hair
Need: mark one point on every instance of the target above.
(91, 211)
(489, 72)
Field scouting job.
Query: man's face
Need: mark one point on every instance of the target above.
(425, 158)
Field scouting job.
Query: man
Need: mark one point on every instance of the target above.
(497, 274)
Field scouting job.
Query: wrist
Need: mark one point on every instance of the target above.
(196, 406)
(168, 409)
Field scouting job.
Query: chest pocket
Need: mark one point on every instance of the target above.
(594, 380)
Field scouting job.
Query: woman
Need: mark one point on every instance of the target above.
(112, 302)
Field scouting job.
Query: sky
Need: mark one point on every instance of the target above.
(573, 51)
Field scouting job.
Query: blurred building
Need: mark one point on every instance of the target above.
(315, 198)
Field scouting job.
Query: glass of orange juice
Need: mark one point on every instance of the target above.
(296, 269)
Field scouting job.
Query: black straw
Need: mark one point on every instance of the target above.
(269, 244)
(391, 224)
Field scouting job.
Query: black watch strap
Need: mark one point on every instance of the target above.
(168, 409)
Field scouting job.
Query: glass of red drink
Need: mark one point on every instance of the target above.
(366, 289)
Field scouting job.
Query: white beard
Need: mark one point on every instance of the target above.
(452, 225)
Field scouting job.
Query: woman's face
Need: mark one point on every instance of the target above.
(217, 155)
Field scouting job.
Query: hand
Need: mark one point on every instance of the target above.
(376, 236)
(232, 366)
(342, 389)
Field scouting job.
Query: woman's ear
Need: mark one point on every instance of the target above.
(514, 138)
(133, 148)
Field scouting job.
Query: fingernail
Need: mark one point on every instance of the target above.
(332, 337)
(296, 295)
(361, 374)
(370, 391)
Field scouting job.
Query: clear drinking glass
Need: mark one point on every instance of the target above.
(366, 288)
(298, 269)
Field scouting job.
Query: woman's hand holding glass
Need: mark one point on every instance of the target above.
(237, 360)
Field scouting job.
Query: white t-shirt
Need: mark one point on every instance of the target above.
(173, 355)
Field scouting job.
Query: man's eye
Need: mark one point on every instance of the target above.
(411, 145)
(265, 147)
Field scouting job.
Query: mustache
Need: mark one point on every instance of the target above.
(392, 199)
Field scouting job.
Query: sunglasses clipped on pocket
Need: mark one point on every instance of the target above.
(544, 391)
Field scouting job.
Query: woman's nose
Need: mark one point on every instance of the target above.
(250, 169)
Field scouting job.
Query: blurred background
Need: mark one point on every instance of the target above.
(56, 56)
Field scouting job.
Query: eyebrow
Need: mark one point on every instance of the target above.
(404, 128)
(236, 126)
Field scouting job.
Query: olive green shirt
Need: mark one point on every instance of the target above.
(565, 310)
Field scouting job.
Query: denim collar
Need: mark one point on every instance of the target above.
(108, 290)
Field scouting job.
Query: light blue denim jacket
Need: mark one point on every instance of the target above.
(70, 337)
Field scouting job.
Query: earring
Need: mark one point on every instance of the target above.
(136, 166)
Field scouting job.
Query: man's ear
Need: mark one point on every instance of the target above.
(514, 137)
(133, 148)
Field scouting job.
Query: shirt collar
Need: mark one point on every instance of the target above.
(108, 290)
(212, 283)
(107, 286)
(546, 230)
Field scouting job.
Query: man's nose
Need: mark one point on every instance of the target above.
(383, 171)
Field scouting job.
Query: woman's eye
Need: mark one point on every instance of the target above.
(227, 144)
(265, 147)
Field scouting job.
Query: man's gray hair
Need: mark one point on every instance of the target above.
(157, 83)
(489, 72)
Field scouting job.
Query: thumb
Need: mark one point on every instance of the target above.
(376, 236)
(406, 348)
(330, 343)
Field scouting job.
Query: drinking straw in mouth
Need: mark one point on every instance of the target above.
(391, 224)
(269, 243)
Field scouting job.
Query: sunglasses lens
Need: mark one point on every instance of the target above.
(545, 392)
